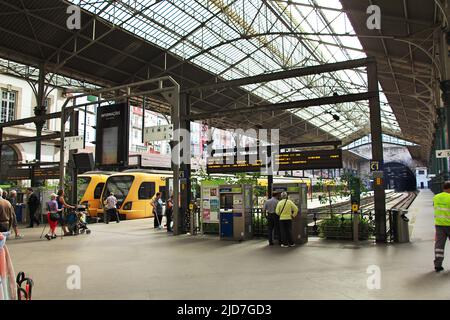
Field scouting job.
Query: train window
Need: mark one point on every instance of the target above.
(83, 183)
(120, 186)
(98, 190)
(146, 190)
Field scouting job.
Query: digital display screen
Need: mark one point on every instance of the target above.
(286, 161)
(110, 145)
(306, 160)
(112, 140)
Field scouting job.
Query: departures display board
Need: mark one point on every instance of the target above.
(286, 161)
(112, 136)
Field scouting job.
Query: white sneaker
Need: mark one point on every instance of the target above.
(19, 236)
(292, 245)
(284, 246)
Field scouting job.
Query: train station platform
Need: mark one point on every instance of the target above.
(131, 260)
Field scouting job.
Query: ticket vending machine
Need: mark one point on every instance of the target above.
(235, 212)
(297, 192)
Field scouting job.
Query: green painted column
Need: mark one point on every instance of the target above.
(444, 129)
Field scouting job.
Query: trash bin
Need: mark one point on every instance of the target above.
(401, 227)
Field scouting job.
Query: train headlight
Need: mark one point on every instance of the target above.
(127, 206)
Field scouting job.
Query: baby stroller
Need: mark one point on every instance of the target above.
(76, 221)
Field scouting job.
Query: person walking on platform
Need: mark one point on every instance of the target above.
(156, 203)
(13, 200)
(33, 205)
(169, 213)
(272, 219)
(53, 216)
(111, 209)
(7, 216)
(441, 203)
(62, 204)
(286, 210)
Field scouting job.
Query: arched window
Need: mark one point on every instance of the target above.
(9, 156)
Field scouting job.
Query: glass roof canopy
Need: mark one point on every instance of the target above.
(239, 38)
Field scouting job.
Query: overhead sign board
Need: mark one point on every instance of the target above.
(286, 161)
(17, 174)
(376, 165)
(445, 153)
(158, 133)
(73, 143)
(26, 173)
(47, 173)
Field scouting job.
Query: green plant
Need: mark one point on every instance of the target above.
(341, 228)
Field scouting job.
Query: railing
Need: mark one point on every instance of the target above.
(259, 223)
(340, 225)
(402, 204)
(331, 226)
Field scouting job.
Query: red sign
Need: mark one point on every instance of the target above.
(137, 110)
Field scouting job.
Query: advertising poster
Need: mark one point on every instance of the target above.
(206, 215)
(214, 207)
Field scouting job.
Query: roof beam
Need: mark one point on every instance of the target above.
(297, 72)
(286, 105)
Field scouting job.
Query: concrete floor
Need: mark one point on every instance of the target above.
(131, 260)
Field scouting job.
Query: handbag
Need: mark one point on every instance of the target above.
(54, 216)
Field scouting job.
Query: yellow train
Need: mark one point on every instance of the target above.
(90, 188)
(133, 189)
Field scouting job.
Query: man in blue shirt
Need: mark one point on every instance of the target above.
(272, 218)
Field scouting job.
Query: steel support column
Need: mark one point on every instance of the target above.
(74, 122)
(269, 186)
(444, 119)
(39, 110)
(185, 165)
(175, 117)
(377, 152)
(1, 147)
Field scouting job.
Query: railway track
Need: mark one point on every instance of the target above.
(405, 202)
(344, 207)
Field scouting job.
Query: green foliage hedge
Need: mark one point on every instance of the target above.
(339, 227)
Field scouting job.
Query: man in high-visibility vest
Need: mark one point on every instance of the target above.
(442, 222)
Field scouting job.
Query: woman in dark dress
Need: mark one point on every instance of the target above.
(62, 204)
(169, 212)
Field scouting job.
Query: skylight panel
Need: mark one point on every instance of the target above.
(167, 22)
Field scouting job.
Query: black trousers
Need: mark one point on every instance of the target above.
(157, 219)
(273, 227)
(33, 219)
(112, 212)
(286, 232)
(169, 220)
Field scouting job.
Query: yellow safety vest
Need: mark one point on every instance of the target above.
(442, 209)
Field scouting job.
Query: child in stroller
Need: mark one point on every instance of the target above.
(76, 221)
